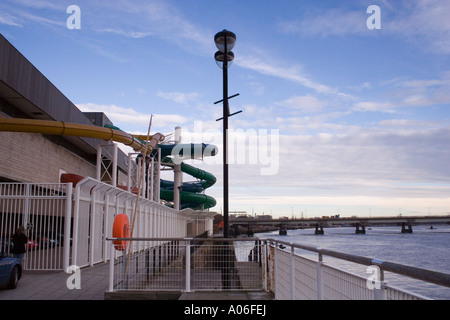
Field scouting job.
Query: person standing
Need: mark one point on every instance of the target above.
(20, 241)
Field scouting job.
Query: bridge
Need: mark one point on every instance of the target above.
(360, 223)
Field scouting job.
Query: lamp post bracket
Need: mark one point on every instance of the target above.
(235, 95)
(230, 115)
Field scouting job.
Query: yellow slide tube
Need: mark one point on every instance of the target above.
(62, 128)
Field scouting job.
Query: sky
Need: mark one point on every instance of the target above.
(345, 108)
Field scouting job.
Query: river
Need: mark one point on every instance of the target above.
(424, 248)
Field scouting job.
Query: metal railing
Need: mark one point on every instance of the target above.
(44, 210)
(69, 226)
(252, 264)
(188, 264)
(297, 277)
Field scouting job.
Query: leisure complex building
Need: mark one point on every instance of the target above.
(64, 178)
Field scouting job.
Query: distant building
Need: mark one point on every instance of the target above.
(264, 217)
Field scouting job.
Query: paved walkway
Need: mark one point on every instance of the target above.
(53, 285)
(94, 284)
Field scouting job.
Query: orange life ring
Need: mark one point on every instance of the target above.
(121, 229)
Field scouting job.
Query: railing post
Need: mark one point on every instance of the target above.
(111, 268)
(379, 292)
(76, 222)
(67, 225)
(188, 265)
(26, 215)
(266, 264)
(319, 278)
(275, 264)
(292, 273)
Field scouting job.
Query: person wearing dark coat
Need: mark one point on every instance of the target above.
(20, 241)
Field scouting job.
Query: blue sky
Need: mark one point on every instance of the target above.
(359, 117)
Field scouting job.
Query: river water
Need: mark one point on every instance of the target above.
(424, 248)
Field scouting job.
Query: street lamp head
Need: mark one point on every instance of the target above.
(225, 36)
(220, 58)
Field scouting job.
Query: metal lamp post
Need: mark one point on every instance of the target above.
(225, 41)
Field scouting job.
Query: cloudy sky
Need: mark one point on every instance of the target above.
(337, 117)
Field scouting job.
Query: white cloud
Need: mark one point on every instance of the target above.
(127, 33)
(8, 19)
(179, 97)
(406, 123)
(369, 168)
(21, 12)
(331, 22)
(41, 4)
(381, 162)
(121, 116)
(138, 19)
(374, 106)
(427, 20)
(417, 21)
(401, 93)
(365, 202)
(307, 103)
(291, 73)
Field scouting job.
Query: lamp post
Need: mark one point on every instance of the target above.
(225, 41)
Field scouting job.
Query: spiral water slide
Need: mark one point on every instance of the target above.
(191, 194)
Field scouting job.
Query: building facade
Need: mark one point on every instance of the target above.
(33, 157)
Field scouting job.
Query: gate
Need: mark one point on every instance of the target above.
(44, 210)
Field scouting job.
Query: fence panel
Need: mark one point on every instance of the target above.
(200, 264)
(305, 278)
(42, 210)
(317, 280)
(58, 237)
(282, 275)
(96, 204)
(159, 267)
(342, 285)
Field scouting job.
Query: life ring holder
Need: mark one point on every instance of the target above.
(121, 229)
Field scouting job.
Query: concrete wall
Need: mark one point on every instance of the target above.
(31, 157)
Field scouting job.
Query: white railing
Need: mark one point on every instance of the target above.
(44, 210)
(95, 206)
(188, 264)
(67, 226)
(251, 264)
(298, 277)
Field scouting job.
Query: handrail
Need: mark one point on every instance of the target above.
(187, 239)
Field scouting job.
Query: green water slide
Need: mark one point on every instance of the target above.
(191, 195)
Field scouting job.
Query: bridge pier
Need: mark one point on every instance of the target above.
(319, 229)
(282, 231)
(360, 231)
(407, 228)
(250, 232)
